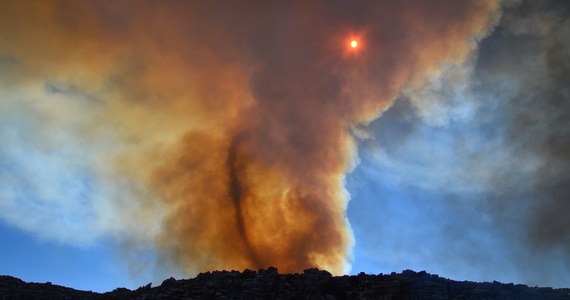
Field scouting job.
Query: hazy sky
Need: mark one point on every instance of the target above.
(150, 139)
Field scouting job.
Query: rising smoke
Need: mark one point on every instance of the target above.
(220, 132)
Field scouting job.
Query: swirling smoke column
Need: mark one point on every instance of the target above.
(231, 123)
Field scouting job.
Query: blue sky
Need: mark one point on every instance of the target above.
(94, 268)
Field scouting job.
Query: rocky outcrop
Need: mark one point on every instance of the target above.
(14, 288)
(312, 284)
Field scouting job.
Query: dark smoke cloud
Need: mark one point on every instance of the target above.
(534, 52)
(230, 123)
(493, 136)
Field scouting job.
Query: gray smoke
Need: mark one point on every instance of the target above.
(483, 153)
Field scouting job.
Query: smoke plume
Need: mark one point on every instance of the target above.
(220, 132)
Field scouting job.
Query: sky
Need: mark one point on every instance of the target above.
(147, 139)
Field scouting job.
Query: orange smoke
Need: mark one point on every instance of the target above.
(237, 117)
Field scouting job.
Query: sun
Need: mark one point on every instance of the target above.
(353, 44)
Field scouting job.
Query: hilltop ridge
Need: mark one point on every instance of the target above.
(311, 284)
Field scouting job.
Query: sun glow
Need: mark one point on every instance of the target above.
(353, 44)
